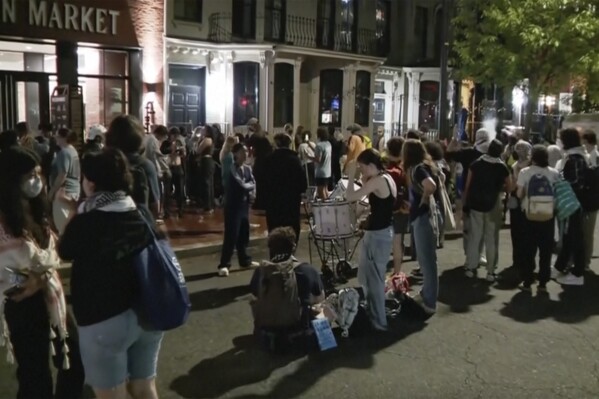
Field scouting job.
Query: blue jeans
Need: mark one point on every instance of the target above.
(426, 247)
(374, 255)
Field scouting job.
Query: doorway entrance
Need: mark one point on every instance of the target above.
(24, 96)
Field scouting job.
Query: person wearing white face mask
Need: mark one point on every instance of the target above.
(32, 308)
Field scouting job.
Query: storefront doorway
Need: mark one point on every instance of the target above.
(24, 96)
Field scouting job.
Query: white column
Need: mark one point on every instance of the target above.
(263, 92)
(314, 104)
(413, 98)
(297, 68)
(267, 77)
(227, 71)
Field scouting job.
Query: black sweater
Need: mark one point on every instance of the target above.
(101, 246)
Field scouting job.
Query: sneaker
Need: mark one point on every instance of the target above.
(223, 272)
(491, 277)
(570, 279)
(470, 273)
(483, 260)
(526, 287)
(417, 273)
(420, 302)
(555, 274)
(251, 264)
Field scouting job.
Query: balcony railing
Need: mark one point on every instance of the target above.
(303, 32)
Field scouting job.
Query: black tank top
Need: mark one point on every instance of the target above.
(381, 210)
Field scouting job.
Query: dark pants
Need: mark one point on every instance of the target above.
(178, 183)
(237, 235)
(259, 171)
(29, 328)
(537, 236)
(518, 224)
(572, 246)
(207, 183)
(276, 219)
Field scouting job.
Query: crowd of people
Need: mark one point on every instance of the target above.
(549, 193)
(91, 204)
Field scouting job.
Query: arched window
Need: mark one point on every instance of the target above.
(283, 97)
(362, 111)
(331, 97)
(246, 87)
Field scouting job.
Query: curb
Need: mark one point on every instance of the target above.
(187, 251)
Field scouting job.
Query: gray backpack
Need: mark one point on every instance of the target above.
(278, 304)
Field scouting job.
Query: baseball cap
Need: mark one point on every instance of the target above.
(354, 127)
(95, 131)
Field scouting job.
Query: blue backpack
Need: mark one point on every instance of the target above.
(163, 300)
(539, 195)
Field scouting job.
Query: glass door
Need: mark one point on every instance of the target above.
(24, 96)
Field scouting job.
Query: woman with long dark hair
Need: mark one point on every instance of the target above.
(33, 302)
(423, 181)
(378, 235)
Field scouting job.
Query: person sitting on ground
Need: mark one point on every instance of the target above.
(286, 304)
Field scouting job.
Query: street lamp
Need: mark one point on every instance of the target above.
(517, 102)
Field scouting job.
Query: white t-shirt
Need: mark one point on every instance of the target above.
(527, 173)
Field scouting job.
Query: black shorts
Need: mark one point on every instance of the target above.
(322, 181)
(401, 223)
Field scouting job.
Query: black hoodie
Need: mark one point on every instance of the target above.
(285, 182)
(101, 246)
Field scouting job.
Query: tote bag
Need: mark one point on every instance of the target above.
(163, 300)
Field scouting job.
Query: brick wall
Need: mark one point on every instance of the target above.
(148, 20)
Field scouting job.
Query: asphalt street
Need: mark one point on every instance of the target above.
(486, 341)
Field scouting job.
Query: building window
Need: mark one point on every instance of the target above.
(330, 98)
(349, 24)
(246, 79)
(362, 114)
(421, 32)
(188, 10)
(103, 76)
(383, 26)
(275, 18)
(429, 100)
(187, 96)
(379, 87)
(244, 19)
(283, 101)
(325, 26)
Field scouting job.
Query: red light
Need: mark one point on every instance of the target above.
(244, 102)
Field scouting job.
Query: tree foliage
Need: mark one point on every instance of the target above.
(548, 42)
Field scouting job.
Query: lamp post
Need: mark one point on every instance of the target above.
(442, 117)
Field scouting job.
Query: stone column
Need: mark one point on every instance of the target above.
(297, 68)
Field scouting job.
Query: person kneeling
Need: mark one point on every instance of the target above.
(285, 291)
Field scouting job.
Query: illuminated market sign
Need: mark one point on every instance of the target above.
(57, 19)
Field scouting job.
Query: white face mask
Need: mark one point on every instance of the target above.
(32, 187)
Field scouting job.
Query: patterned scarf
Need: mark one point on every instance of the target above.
(102, 199)
(25, 253)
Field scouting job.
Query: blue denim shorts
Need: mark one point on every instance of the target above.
(118, 349)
